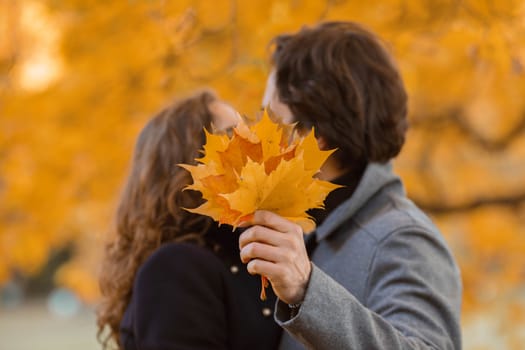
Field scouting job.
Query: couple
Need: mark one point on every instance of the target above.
(375, 274)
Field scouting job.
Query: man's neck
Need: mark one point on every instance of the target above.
(348, 179)
(330, 170)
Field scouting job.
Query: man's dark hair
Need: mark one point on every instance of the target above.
(340, 79)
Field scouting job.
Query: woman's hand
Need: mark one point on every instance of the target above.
(274, 247)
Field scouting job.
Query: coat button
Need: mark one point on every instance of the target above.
(266, 312)
(234, 269)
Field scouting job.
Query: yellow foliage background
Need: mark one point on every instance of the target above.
(78, 80)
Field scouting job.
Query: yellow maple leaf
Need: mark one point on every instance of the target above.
(214, 145)
(270, 136)
(260, 168)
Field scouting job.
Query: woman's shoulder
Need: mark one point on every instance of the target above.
(181, 251)
(181, 260)
(180, 285)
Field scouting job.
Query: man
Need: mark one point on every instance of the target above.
(376, 273)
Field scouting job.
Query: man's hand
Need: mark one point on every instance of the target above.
(274, 247)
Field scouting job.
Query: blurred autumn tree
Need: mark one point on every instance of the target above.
(79, 79)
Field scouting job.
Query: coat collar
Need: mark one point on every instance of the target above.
(375, 177)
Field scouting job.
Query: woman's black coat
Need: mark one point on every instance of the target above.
(190, 297)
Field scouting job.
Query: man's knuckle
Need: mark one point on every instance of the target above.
(265, 216)
(256, 249)
(257, 234)
(290, 241)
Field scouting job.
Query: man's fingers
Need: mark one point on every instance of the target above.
(262, 251)
(276, 222)
(258, 234)
(274, 248)
(264, 235)
(263, 268)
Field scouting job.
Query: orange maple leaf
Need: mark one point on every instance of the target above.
(260, 168)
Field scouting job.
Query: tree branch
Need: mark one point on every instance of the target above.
(512, 201)
(454, 117)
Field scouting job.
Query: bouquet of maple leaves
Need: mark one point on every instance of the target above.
(260, 168)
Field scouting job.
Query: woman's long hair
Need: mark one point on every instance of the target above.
(150, 210)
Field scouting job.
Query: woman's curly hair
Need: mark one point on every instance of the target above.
(150, 209)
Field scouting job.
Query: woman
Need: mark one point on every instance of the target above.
(172, 279)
